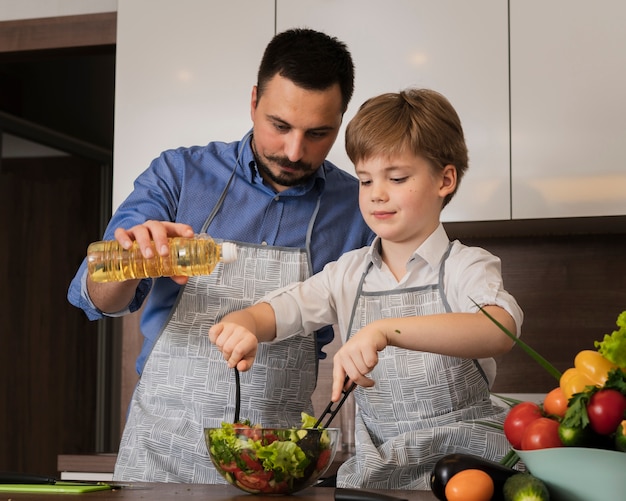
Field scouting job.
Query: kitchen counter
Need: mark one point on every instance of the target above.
(169, 491)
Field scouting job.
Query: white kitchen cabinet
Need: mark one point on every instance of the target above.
(457, 48)
(184, 76)
(568, 108)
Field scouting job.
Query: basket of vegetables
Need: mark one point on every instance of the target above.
(573, 444)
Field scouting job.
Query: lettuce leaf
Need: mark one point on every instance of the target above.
(613, 346)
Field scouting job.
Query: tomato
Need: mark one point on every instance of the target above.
(251, 461)
(232, 466)
(555, 403)
(250, 432)
(606, 410)
(257, 481)
(542, 433)
(518, 418)
(322, 460)
(470, 485)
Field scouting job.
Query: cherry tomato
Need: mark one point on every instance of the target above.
(470, 485)
(518, 418)
(251, 461)
(322, 460)
(606, 410)
(257, 481)
(542, 433)
(555, 403)
(232, 467)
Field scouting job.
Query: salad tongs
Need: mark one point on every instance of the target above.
(331, 411)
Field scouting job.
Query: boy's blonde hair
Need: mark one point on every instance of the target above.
(417, 121)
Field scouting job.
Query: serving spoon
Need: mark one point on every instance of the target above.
(237, 396)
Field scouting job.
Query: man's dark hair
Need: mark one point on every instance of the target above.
(310, 59)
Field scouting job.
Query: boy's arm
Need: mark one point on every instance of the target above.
(465, 335)
(239, 333)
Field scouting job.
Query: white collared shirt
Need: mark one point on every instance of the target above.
(327, 298)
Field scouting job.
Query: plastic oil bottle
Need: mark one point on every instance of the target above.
(108, 261)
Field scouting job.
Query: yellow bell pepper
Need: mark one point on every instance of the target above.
(573, 381)
(590, 369)
(593, 365)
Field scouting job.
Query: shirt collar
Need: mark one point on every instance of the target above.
(431, 251)
(434, 247)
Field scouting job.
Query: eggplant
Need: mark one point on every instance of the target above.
(452, 464)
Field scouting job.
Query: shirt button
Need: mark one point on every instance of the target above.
(276, 198)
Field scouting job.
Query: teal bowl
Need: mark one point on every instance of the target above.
(579, 474)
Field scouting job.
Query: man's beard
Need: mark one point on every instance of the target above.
(286, 179)
(303, 173)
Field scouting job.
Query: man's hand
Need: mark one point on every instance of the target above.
(157, 232)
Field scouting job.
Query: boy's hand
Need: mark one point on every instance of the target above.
(356, 358)
(237, 344)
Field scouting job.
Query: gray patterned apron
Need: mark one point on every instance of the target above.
(423, 405)
(186, 385)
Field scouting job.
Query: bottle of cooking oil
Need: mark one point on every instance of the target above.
(108, 261)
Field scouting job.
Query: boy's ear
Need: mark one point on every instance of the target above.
(448, 180)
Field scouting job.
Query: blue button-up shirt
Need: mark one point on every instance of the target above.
(185, 184)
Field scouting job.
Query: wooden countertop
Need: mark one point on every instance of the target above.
(169, 491)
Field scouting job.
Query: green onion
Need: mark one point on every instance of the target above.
(536, 356)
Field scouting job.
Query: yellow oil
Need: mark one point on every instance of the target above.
(108, 261)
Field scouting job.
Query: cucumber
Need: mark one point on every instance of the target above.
(525, 487)
(451, 464)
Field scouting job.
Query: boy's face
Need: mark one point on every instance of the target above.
(294, 129)
(401, 197)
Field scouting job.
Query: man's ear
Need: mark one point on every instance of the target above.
(253, 102)
(448, 180)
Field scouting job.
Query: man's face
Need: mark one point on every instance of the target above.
(294, 129)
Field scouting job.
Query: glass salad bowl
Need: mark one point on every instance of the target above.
(271, 460)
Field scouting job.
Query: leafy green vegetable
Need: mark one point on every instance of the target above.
(613, 346)
(283, 458)
(308, 421)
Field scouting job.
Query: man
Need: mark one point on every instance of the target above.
(289, 210)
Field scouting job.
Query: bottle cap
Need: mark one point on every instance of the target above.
(229, 252)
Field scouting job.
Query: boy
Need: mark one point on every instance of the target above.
(414, 341)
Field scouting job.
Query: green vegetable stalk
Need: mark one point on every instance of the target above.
(535, 355)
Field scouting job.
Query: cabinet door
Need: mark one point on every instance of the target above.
(457, 48)
(184, 76)
(568, 110)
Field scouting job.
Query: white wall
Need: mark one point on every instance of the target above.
(29, 9)
(184, 76)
